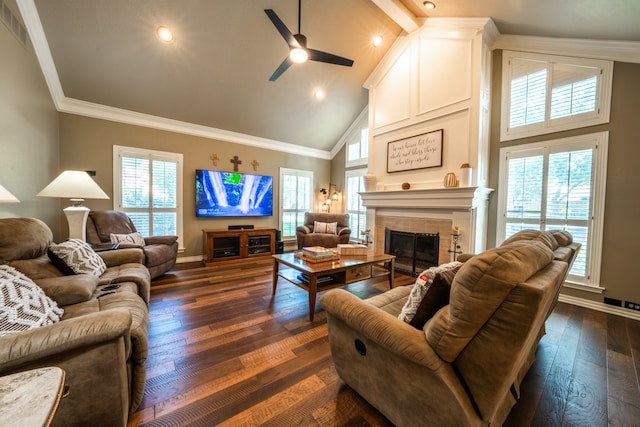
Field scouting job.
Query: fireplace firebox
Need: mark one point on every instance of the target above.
(415, 252)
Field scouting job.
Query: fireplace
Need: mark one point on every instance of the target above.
(415, 252)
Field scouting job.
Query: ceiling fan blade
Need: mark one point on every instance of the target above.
(281, 69)
(319, 56)
(282, 29)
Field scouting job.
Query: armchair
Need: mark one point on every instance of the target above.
(307, 235)
(160, 252)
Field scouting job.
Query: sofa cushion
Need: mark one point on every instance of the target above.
(429, 294)
(545, 237)
(478, 289)
(325, 227)
(134, 239)
(23, 304)
(76, 256)
(35, 237)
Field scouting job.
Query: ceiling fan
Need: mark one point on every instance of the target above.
(298, 50)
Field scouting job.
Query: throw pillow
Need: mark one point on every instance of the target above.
(325, 227)
(135, 239)
(78, 257)
(23, 304)
(429, 294)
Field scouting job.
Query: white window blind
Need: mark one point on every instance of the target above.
(296, 198)
(545, 93)
(557, 185)
(148, 189)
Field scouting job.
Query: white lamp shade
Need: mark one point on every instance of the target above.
(73, 185)
(6, 196)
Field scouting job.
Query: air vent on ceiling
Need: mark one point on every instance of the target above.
(13, 24)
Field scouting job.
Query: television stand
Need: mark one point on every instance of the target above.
(238, 245)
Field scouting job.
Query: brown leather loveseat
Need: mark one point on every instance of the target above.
(160, 252)
(310, 235)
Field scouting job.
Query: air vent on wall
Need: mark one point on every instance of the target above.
(13, 23)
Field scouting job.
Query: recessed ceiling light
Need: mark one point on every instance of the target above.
(429, 4)
(377, 40)
(319, 94)
(164, 34)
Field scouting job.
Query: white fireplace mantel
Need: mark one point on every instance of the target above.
(458, 198)
(464, 207)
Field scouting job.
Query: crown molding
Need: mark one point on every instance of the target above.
(89, 109)
(104, 112)
(623, 51)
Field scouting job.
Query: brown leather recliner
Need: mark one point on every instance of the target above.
(160, 252)
(308, 236)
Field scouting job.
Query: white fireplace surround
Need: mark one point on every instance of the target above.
(465, 207)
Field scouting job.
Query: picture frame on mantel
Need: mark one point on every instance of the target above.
(415, 152)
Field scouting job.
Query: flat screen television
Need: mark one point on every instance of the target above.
(224, 194)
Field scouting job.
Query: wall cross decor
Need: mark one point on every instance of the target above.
(235, 162)
(255, 165)
(214, 159)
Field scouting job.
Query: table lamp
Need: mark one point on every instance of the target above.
(6, 196)
(76, 186)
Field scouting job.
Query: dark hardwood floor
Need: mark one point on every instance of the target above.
(223, 351)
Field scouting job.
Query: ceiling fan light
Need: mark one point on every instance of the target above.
(298, 55)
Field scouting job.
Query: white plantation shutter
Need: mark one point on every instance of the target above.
(545, 93)
(149, 189)
(528, 92)
(573, 90)
(296, 199)
(554, 186)
(357, 212)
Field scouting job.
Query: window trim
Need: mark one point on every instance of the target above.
(603, 96)
(600, 142)
(297, 172)
(119, 150)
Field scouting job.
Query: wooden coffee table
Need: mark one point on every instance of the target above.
(320, 276)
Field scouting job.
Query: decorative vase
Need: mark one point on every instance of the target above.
(465, 175)
(450, 180)
(369, 182)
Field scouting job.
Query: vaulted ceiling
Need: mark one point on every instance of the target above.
(214, 76)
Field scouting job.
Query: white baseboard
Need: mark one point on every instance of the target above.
(600, 306)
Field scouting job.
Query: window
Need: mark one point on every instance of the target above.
(296, 198)
(356, 139)
(557, 185)
(545, 93)
(358, 149)
(357, 212)
(148, 187)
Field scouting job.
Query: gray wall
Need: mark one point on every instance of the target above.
(28, 132)
(622, 204)
(87, 144)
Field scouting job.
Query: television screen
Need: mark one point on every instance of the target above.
(233, 194)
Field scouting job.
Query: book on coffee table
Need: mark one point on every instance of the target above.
(317, 252)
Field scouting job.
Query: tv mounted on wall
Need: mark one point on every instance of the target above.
(224, 194)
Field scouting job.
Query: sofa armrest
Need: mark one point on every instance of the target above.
(67, 290)
(303, 229)
(381, 327)
(122, 256)
(344, 230)
(161, 240)
(65, 336)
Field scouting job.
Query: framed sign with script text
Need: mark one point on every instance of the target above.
(416, 152)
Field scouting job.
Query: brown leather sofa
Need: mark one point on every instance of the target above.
(160, 252)
(465, 366)
(308, 236)
(101, 341)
